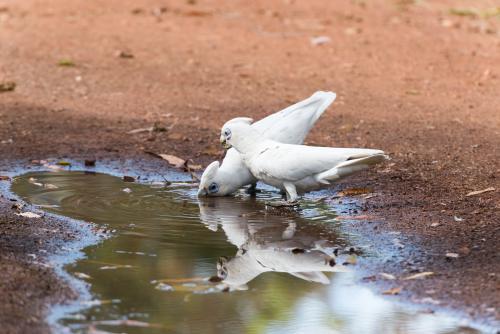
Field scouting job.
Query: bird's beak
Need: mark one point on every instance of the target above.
(202, 192)
(224, 143)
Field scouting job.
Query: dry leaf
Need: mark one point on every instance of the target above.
(394, 291)
(477, 192)
(354, 192)
(420, 275)
(458, 219)
(63, 163)
(7, 86)
(141, 130)
(452, 255)
(89, 163)
(127, 178)
(197, 13)
(82, 275)
(28, 215)
(124, 54)
(387, 276)
(66, 63)
(173, 160)
(4, 178)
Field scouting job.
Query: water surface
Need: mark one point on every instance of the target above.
(271, 272)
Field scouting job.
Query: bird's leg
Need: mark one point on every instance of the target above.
(252, 190)
(291, 192)
(291, 196)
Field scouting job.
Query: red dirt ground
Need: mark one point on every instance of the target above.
(411, 77)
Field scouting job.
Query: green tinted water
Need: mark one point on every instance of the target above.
(151, 275)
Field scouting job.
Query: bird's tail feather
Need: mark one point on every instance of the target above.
(349, 167)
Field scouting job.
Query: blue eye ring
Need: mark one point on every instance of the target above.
(227, 134)
(213, 188)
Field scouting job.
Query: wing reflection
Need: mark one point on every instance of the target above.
(269, 242)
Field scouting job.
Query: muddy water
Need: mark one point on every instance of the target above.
(270, 272)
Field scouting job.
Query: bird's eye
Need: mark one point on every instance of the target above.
(222, 273)
(227, 134)
(213, 188)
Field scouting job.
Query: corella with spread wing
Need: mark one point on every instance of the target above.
(295, 169)
(290, 125)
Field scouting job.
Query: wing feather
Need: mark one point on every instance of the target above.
(296, 162)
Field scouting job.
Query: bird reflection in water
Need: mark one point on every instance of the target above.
(269, 241)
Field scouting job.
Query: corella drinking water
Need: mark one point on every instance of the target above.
(295, 169)
(290, 125)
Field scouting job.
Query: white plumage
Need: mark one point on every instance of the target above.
(290, 125)
(295, 169)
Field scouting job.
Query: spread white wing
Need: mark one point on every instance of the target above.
(291, 125)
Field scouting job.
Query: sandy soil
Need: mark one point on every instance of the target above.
(411, 77)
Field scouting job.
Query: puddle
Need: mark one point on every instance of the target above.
(151, 275)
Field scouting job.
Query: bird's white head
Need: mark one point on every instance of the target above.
(237, 133)
(210, 183)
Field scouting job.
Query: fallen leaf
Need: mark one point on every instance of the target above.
(63, 163)
(124, 54)
(89, 163)
(394, 291)
(4, 178)
(463, 12)
(127, 190)
(127, 178)
(419, 275)
(435, 224)
(387, 276)
(173, 160)
(7, 86)
(477, 192)
(82, 275)
(141, 130)
(50, 186)
(458, 219)
(354, 192)
(28, 215)
(412, 92)
(452, 255)
(197, 13)
(66, 63)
